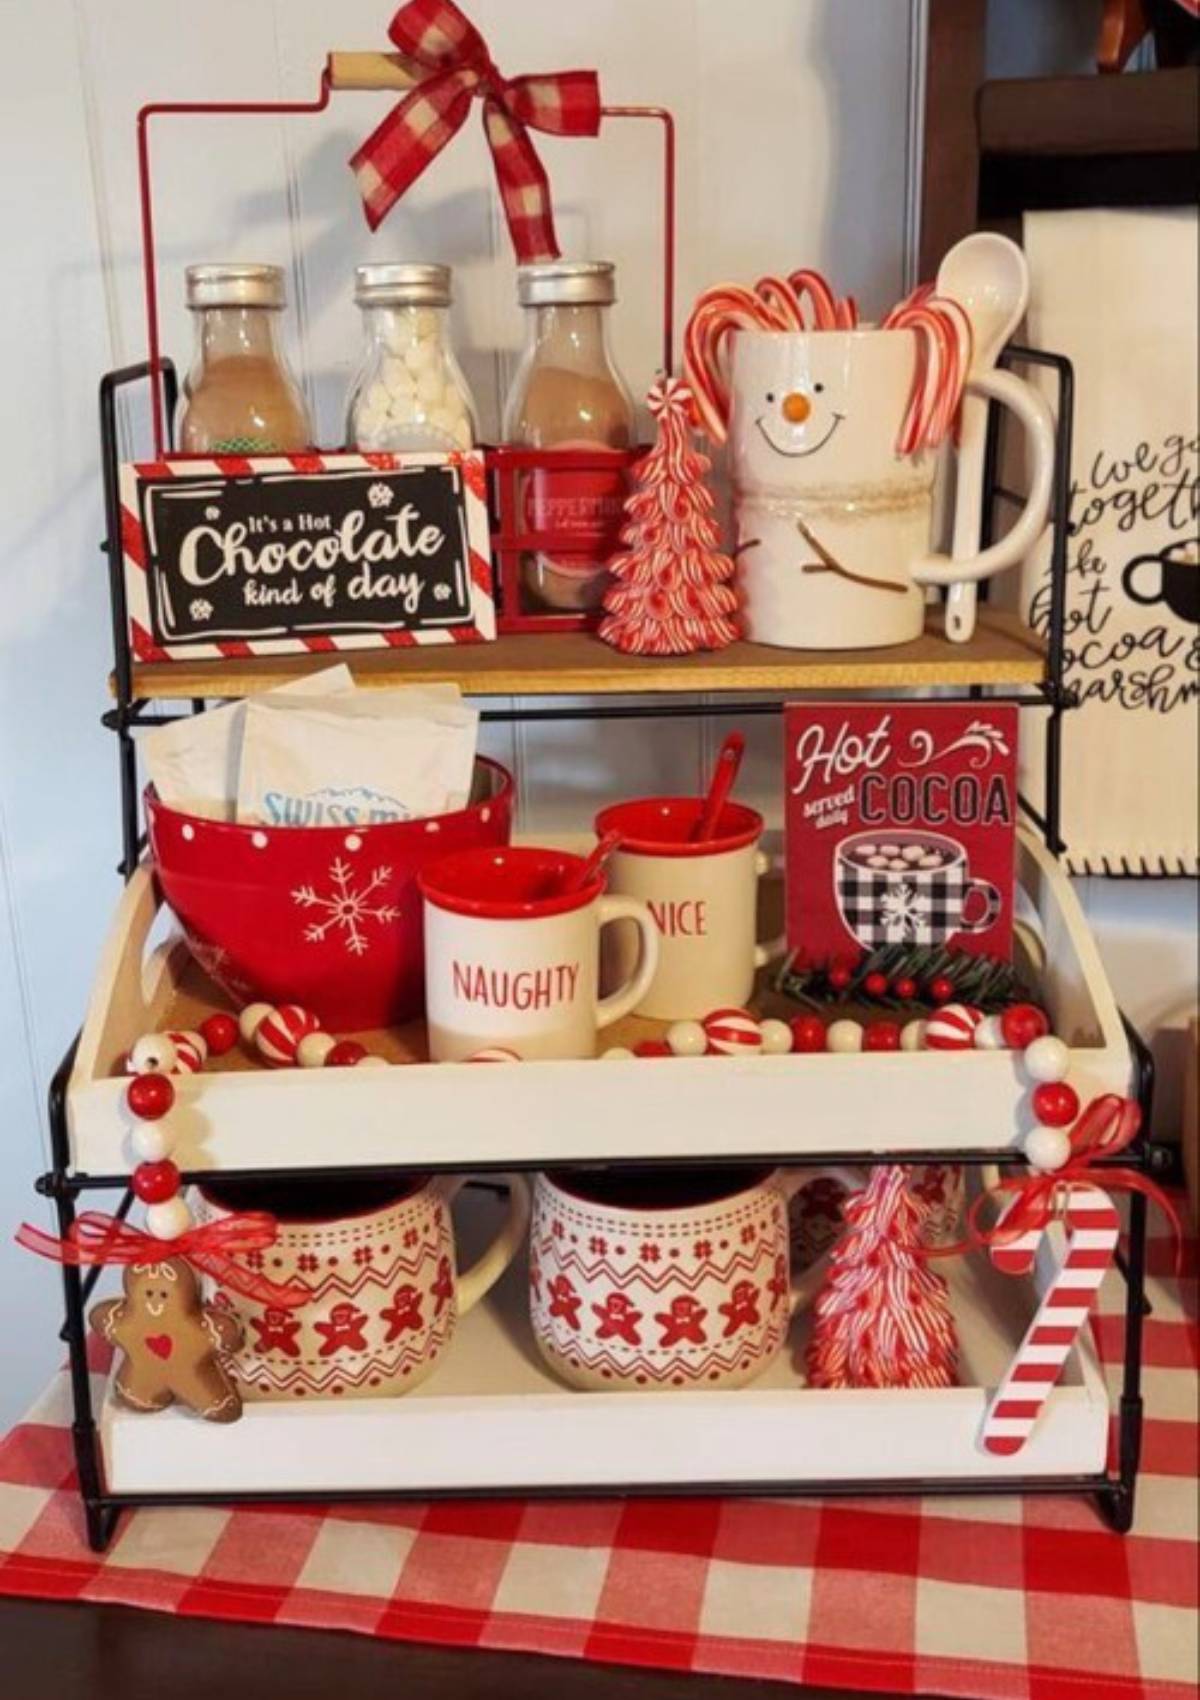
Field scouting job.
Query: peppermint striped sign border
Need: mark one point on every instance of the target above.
(134, 554)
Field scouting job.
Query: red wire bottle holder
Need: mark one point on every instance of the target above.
(507, 467)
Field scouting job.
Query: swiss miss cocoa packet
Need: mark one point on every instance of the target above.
(357, 761)
(193, 762)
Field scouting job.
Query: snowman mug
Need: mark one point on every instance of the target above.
(834, 526)
(512, 959)
(703, 898)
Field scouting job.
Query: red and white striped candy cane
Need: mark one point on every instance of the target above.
(1093, 1229)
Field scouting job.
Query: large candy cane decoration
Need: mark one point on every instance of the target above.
(1092, 1230)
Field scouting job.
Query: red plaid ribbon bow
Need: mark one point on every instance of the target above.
(98, 1238)
(436, 38)
(1107, 1126)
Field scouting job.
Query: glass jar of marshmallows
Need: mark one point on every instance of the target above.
(409, 394)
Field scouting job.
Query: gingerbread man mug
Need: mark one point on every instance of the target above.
(378, 1262)
(664, 1281)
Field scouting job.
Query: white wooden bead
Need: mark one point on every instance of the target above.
(1047, 1148)
(314, 1048)
(153, 1053)
(844, 1036)
(1047, 1059)
(616, 1053)
(168, 1220)
(989, 1035)
(686, 1039)
(151, 1141)
(252, 1018)
(912, 1035)
(776, 1037)
(372, 1062)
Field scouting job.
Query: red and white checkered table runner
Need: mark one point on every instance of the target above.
(994, 1599)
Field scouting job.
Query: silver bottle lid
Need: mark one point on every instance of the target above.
(410, 285)
(567, 283)
(235, 284)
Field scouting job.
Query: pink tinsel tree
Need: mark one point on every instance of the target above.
(883, 1317)
(672, 593)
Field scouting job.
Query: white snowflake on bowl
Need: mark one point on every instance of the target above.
(380, 495)
(346, 910)
(441, 592)
(199, 609)
(211, 512)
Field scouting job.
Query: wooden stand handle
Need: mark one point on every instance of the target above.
(370, 71)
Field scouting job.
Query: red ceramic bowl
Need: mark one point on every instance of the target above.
(319, 916)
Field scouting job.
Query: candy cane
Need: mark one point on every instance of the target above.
(1093, 1229)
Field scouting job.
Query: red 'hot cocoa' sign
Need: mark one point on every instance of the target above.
(901, 824)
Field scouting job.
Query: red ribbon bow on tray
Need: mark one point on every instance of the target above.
(96, 1238)
(1107, 1126)
(435, 37)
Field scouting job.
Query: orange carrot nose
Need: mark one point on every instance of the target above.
(796, 408)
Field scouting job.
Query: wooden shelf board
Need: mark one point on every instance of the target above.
(1003, 652)
(1144, 112)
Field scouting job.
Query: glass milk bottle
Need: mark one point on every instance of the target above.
(240, 397)
(409, 393)
(568, 394)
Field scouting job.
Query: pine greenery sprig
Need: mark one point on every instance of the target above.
(987, 982)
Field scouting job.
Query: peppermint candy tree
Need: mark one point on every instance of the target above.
(672, 594)
(883, 1317)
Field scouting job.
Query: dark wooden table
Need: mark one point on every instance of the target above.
(83, 1652)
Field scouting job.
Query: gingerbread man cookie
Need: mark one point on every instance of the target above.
(170, 1340)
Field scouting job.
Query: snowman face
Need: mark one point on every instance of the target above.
(814, 408)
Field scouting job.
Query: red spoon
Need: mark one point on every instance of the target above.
(725, 772)
(585, 872)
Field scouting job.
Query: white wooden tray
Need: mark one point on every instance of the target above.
(494, 1417)
(239, 1116)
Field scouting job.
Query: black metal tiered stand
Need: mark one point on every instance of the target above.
(1113, 1490)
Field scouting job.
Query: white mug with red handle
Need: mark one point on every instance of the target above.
(512, 959)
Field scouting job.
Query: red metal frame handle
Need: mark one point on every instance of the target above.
(194, 108)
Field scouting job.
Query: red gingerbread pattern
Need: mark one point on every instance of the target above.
(618, 1320)
(682, 1320)
(404, 1313)
(742, 1309)
(564, 1301)
(343, 1332)
(276, 1331)
(777, 1286)
(442, 1290)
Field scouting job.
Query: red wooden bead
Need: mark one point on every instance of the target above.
(149, 1096)
(220, 1034)
(905, 989)
(941, 989)
(881, 1036)
(1022, 1023)
(876, 985)
(652, 1048)
(808, 1033)
(1055, 1104)
(345, 1054)
(154, 1183)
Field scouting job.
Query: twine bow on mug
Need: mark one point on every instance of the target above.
(436, 39)
(1107, 1126)
(97, 1239)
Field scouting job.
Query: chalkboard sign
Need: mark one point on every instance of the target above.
(281, 554)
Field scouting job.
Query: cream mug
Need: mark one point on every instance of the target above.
(384, 1291)
(512, 960)
(703, 899)
(834, 528)
(665, 1279)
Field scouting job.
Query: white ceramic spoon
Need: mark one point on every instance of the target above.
(989, 277)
